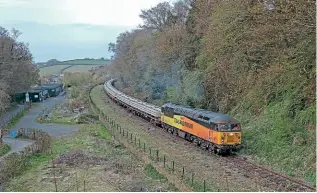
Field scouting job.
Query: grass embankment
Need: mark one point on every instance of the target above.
(5, 148)
(277, 142)
(90, 159)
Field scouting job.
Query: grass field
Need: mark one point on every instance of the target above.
(80, 65)
(80, 68)
(92, 161)
(52, 70)
(86, 62)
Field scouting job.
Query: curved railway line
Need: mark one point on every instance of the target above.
(266, 177)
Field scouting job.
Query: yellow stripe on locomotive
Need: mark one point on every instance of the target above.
(203, 126)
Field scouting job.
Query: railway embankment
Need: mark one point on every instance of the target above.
(195, 167)
(271, 179)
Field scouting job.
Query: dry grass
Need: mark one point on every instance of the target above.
(90, 159)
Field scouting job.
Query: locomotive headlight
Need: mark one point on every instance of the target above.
(231, 134)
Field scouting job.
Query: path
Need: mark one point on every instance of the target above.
(8, 116)
(28, 121)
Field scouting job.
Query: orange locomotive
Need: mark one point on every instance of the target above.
(214, 131)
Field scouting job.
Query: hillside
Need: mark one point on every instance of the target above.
(86, 62)
(81, 65)
(252, 60)
(80, 68)
(51, 70)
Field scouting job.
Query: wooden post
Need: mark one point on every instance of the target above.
(150, 152)
(173, 166)
(76, 182)
(53, 166)
(193, 179)
(164, 160)
(227, 183)
(183, 175)
(144, 147)
(256, 183)
(157, 155)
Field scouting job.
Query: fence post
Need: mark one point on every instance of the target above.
(164, 160)
(123, 133)
(173, 165)
(157, 155)
(227, 183)
(131, 136)
(193, 179)
(144, 147)
(150, 152)
(256, 182)
(183, 175)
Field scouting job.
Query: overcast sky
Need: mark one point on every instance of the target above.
(64, 29)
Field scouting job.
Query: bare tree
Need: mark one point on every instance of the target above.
(158, 17)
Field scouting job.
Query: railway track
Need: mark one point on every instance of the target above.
(269, 178)
(264, 176)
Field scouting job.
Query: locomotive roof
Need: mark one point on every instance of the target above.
(201, 114)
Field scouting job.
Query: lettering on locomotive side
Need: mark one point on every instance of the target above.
(189, 125)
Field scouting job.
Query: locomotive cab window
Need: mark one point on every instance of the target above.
(235, 127)
(169, 112)
(229, 127)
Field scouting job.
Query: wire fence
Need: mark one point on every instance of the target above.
(12, 163)
(5, 121)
